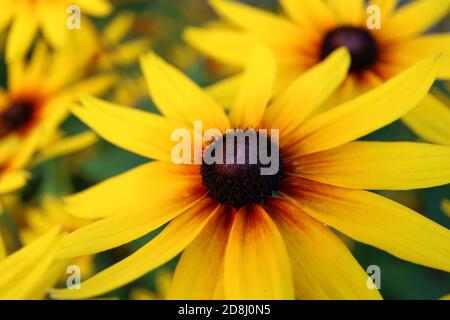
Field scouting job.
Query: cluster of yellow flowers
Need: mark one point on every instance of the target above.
(317, 73)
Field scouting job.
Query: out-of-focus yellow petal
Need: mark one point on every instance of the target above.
(312, 13)
(375, 220)
(368, 112)
(445, 205)
(430, 120)
(170, 242)
(8, 7)
(379, 165)
(274, 30)
(225, 45)
(256, 260)
(140, 132)
(11, 181)
(67, 145)
(323, 267)
(52, 18)
(22, 270)
(348, 11)
(387, 8)
(142, 189)
(129, 52)
(256, 89)
(308, 92)
(178, 97)
(415, 17)
(94, 7)
(118, 28)
(21, 34)
(201, 265)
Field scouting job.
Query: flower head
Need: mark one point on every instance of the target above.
(243, 236)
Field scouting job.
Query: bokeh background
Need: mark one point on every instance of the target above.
(162, 22)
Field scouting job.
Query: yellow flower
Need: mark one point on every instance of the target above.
(27, 273)
(106, 49)
(32, 107)
(314, 28)
(246, 235)
(28, 16)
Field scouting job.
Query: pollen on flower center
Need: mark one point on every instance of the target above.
(17, 115)
(360, 43)
(238, 180)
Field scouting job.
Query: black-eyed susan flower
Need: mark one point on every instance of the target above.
(312, 29)
(244, 235)
(27, 17)
(26, 272)
(35, 102)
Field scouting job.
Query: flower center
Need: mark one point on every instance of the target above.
(360, 42)
(17, 115)
(247, 168)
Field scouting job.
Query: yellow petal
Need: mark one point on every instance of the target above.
(430, 120)
(140, 132)
(379, 165)
(137, 187)
(323, 267)
(12, 181)
(199, 269)
(3, 251)
(225, 91)
(129, 52)
(225, 45)
(274, 30)
(348, 11)
(119, 229)
(368, 112)
(309, 91)
(118, 28)
(387, 8)
(53, 17)
(22, 271)
(94, 7)
(311, 13)
(8, 8)
(418, 16)
(256, 260)
(21, 34)
(375, 220)
(445, 205)
(67, 145)
(178, 97)
(256, 89)
(170, 242)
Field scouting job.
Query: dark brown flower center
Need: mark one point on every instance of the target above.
(359, 42)
(247, 168)
(17, 115)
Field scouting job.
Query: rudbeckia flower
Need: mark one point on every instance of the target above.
(312, 29)
(106, 49)
(244, 235)
(35, 102)
(28, 16)
(25, 272)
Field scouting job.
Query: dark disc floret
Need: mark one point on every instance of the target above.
(360, 43)
(236, 181)
(17, 115)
